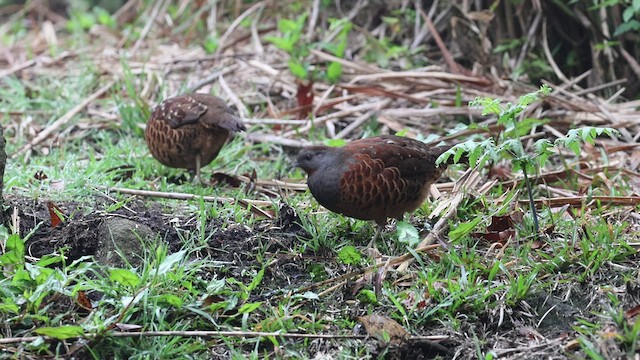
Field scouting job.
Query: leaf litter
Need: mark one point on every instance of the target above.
(251, 74)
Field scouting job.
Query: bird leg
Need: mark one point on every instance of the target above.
(198, 169)
(195, 173)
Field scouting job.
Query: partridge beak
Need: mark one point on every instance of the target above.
(293, 166)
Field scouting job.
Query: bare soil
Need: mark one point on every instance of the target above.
(514, 330)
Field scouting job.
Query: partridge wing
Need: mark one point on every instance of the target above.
(412, 158)
(364, 188)
(218, 114)
(224, 117)
(179, 111)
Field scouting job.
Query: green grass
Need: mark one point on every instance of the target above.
(217, 280)
(168, 292)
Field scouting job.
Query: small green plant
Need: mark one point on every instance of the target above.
(84, 20)
(509, 144)
(133, 109)
(292, 42)
(630, 16)
(349, 255)
(407, 234)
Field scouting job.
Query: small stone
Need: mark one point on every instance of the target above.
(118, 238)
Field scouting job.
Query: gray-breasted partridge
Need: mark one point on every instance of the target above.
(374, 178)
(188, 131)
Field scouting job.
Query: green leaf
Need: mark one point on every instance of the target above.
(49, 260)
(527, 99)
(513, 147)
(524, 127)
(477, 152)
(367, 296)
(210, 44)
(494, 271)
(628, 14)
(20, 276)
(216, 286)
(132, 300)
(543, 151)
(15, 243)
(334, 71)
(336, 142)
(14, 251)
(338, 48)
(284, 44)
(249, 307)
(330, 47)
(171, 299)
(104, 17)
(588, 134)
(9, 307)
(633, 25)
(407, 233)
(124, 277)
(170, 261)
(317, 271)
(488, 105)
(574, 146)
(61, 332)
(287, 26)
(297, 69)
(463, 229)
(256, 280)
(458, 102)
(349, 255)
(390, 20)
(545, 89)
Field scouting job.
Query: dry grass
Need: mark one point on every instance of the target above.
(155, 51)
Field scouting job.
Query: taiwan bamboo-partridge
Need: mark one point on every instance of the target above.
(374, 178)
(188, 131)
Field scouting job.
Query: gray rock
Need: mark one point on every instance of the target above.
(121, 239)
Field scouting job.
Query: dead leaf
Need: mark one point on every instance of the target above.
(537, 244)
(386, 330)
(632, 312)
(304, 97)
(502, 172)
(53, 213)
(251, 185)
(57, 185)
(500, 230)
(222, 178)
(212, 299)
(83, 301)
(128, 327)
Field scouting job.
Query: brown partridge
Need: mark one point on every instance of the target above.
(188, 131)
(374, 178)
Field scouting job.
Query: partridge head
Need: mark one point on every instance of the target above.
(188, 131)
(374, 178)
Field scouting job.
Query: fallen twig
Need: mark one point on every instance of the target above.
(182, 196)
(579, 201)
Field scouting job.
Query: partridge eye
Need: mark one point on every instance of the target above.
(308, 157)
